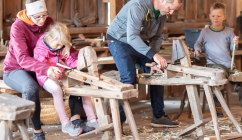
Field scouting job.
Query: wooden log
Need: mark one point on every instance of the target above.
(87, 20)
(101, 93)
(211, 105)
(228, 137)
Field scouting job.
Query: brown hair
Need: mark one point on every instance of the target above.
(30, 1)
(170, 1)
(218, 5)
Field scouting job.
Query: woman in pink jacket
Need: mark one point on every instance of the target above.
(54, 47)
(19, 65)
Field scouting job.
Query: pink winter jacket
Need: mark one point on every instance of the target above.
(23, 38)
(43, 53)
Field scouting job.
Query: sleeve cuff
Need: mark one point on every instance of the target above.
(150, 54)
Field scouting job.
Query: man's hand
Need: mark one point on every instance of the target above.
(198, 52)
(53, 73)
(236, 40)
(161, 62)
(155, 69)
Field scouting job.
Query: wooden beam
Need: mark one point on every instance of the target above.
(225, 137)
(113, 11)
(83, 30)
(101, 93)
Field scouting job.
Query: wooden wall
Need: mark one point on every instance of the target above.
(83, 7)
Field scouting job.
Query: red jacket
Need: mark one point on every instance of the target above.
(23, 38)
(45, 54)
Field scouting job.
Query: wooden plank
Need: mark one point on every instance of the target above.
(208, 93)
(83, 30)
(12, 103)
(101, 93)
(1, 14)
(193, 127)
(11, 8)
(225, 137)
(65, 13)
(96, 132)
(113, 11)
(116, 118)
(104, 82)
(18, 115)
(52, 10)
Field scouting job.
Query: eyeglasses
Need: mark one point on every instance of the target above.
(40, 17)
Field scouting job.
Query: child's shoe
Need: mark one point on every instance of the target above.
(93, 123)
(80, 123)
(71, 129)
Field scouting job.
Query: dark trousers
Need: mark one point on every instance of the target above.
(26, 83)
(126, 57)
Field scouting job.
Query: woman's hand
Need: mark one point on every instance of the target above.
(53, 73)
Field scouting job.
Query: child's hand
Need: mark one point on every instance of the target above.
(53, 73)
(198, 53)
(236, 40)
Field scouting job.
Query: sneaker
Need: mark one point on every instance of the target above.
(163, 121)
(39, 136)
(71, 129)
(80, 123)
(93, 123)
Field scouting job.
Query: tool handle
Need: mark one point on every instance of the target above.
(63, 66)
(232, 62)
(150, 64)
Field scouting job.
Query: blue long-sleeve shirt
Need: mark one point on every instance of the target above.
(218, 45)
(136, 23)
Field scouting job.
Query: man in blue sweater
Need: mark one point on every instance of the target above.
(135, 37)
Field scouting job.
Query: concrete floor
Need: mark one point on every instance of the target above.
(143, 113)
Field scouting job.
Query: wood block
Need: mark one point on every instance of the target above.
(227, 137)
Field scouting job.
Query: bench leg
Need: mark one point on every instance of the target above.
(23, 130)
(103, 117)
(130, 118)
(225, 107)
(4, 130)
(116, 119)
(211, 105)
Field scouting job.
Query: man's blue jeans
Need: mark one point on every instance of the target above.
(126, 57)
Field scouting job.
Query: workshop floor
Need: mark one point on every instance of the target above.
(143, 113)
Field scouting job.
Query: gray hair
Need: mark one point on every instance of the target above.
(170, 1)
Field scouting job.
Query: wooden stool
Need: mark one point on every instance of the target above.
(13, 108)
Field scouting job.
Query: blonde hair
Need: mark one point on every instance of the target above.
(60, 32)
(218, 5)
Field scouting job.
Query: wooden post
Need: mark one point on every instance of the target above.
(211, 105)
(113, 11)
(116, 119)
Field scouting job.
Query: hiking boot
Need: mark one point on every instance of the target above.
(80, 123)
(71, 129)
(163, 121)
(93, 123)
(219, 112)
(39, 136)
